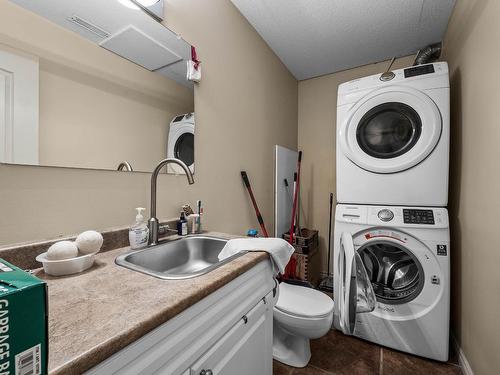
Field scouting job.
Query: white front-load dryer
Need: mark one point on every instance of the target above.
(393, 138)
(180, 143)
(391, 277)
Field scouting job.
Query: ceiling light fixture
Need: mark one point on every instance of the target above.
(153, 7)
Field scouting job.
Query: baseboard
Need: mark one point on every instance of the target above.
(462, 360)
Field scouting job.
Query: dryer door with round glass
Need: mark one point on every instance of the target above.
(184, 148)
(391, 129)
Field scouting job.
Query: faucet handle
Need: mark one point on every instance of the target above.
(164, 229)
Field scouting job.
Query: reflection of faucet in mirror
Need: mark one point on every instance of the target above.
(153, 221)
(125, 166)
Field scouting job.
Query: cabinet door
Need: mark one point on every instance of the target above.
(246, 349)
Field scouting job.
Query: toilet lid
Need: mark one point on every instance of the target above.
(303, 301)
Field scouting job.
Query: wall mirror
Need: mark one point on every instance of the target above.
(97, 84)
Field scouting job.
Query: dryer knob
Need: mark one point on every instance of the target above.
(385, 215)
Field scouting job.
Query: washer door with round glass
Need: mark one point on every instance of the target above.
(404, 273)
(356, 293)
(391, 130)
(396, 275)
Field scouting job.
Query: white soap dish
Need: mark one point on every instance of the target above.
(66, 266)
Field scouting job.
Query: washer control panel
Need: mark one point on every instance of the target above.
(385, 215)
(393, 216)
(415, 216)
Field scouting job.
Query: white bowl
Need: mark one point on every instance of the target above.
(66, 266)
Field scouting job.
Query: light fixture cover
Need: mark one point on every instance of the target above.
(153, 7)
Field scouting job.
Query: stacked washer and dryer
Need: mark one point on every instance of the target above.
(392, 241)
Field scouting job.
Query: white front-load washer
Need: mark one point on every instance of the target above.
(180, 143)
(393, 138)
(391, 277)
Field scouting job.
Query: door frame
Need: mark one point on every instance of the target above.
(19, 111)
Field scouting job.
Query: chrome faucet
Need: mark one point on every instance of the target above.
(153, 221)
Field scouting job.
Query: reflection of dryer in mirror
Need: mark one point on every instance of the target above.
(181, 142)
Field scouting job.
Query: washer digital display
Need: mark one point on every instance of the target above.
(411, 216)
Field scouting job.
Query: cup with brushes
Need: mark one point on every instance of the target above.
(69, 257)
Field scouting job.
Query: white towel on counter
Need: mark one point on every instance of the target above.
(279, 250)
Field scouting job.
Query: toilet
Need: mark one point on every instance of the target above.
(300, 314)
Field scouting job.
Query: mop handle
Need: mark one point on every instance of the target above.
(296, 193)
(290, 269)
(257, 212)
(330, 234)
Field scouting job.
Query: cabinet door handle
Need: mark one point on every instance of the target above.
(206, 372)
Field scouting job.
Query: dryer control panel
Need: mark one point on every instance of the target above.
(419, 70)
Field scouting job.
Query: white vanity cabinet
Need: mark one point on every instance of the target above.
(244, 349)
(228, 332)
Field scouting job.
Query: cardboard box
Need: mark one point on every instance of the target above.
(23, 322)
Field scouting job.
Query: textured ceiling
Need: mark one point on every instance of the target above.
(316, 37)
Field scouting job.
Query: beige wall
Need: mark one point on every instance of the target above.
(89, 96)
(246, 103)
(471, 49)
(317, 124)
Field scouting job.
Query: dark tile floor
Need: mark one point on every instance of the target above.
(339, 354)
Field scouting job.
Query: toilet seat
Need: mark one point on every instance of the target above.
(303, 302)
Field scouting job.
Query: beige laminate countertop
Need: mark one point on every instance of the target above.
(94, 314)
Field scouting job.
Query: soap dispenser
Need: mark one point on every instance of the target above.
(138, 233)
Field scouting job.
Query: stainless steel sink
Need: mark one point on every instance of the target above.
(177, 259)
